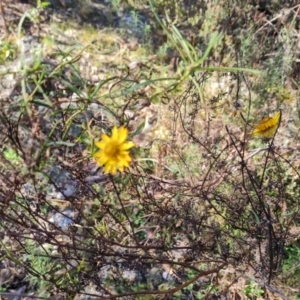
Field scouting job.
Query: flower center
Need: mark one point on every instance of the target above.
(112, 149)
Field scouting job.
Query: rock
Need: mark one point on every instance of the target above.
(64, 184)
(154, 278)
(63, 219)
(135, 24)
(90, 293)
(130, 275)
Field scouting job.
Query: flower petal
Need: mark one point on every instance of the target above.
(105, 138)
(115, 134)
(100, 145)
(267, 126)
(126, 146)
(123, 134)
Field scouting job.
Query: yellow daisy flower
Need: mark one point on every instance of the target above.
(267, 127)
(113, 153)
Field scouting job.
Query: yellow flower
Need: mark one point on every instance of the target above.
(267, 127)
(113, 153)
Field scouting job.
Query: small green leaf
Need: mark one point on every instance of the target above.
(40, 103)
(138, 130)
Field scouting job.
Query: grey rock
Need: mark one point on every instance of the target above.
(64, 184)
(63, 219)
